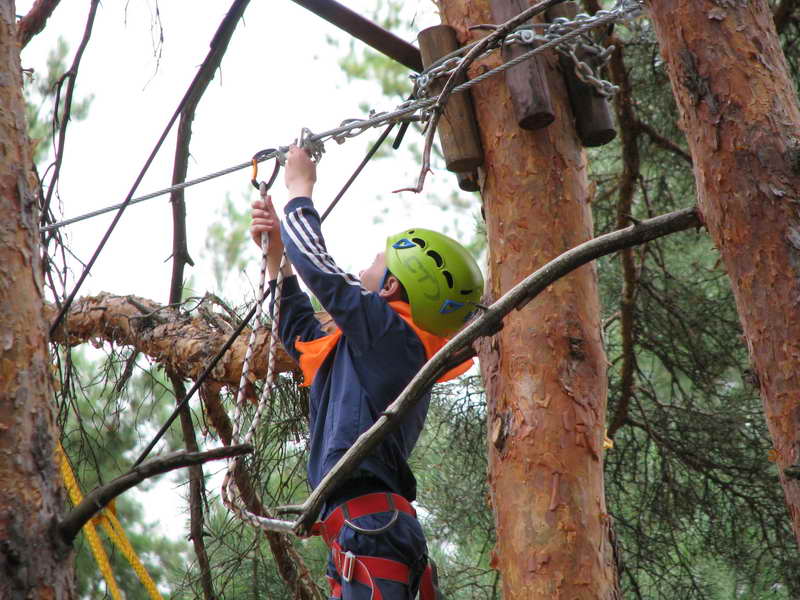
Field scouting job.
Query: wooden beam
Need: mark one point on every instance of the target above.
(593, 120)
(526, 82)
(458, 131)
(371, 34)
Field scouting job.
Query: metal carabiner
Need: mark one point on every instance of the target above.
(259, 156)
(378, 531)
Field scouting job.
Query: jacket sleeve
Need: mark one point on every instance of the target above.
(362, 315)
(296, 319)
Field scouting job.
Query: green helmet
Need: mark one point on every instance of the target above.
(442, 280)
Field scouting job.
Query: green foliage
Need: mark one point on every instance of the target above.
(453, 492)
(697, 505)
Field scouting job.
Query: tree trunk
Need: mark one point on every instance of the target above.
(32, 563)
(740, 115)
(545, 372)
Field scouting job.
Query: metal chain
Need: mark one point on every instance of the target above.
(407, 110)
(556, 34)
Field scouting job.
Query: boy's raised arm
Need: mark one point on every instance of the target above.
(359, 313)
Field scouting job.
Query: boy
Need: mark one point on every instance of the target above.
(391, 319)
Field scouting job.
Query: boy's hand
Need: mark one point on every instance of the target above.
(301, 173)
(265, 220)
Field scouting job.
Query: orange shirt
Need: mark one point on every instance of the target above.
(314, 352)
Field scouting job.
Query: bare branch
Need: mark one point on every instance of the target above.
(663, 142)
(63, 119)
(219, 44)
(95, 501)
(180, 258)
(623, 104)
(34, 22)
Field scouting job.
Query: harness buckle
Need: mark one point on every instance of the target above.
(348, 564)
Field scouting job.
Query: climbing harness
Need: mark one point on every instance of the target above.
(113, 528)
(365, 569)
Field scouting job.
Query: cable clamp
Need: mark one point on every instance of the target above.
(315, 148)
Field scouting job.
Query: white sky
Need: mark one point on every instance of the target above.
(278, 75)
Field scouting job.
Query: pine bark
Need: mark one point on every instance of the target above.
(33, 564)
(545, 372)
(740, 114)
(182, 344)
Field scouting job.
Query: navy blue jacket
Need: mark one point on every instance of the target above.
(376, 357)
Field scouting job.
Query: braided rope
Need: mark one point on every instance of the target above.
(116, 533)
(233, 501)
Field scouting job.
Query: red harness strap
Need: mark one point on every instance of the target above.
(364, 569)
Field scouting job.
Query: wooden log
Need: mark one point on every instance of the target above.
(468, 181)
(593, 120)
(458, 131)
(526, 82)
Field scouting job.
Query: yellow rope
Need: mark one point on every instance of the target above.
(100, 556)
(113, 529)
(107, 518)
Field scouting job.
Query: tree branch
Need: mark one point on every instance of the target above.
(782, 14)
(94, 502)
(63, 120)
(34, 22)
(180, 258)
(516, 298)
(623, 104)
(219, 44)
(661, 141)
(181, 344)
(197, 491)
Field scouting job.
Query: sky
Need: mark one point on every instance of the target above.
(279, 74)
